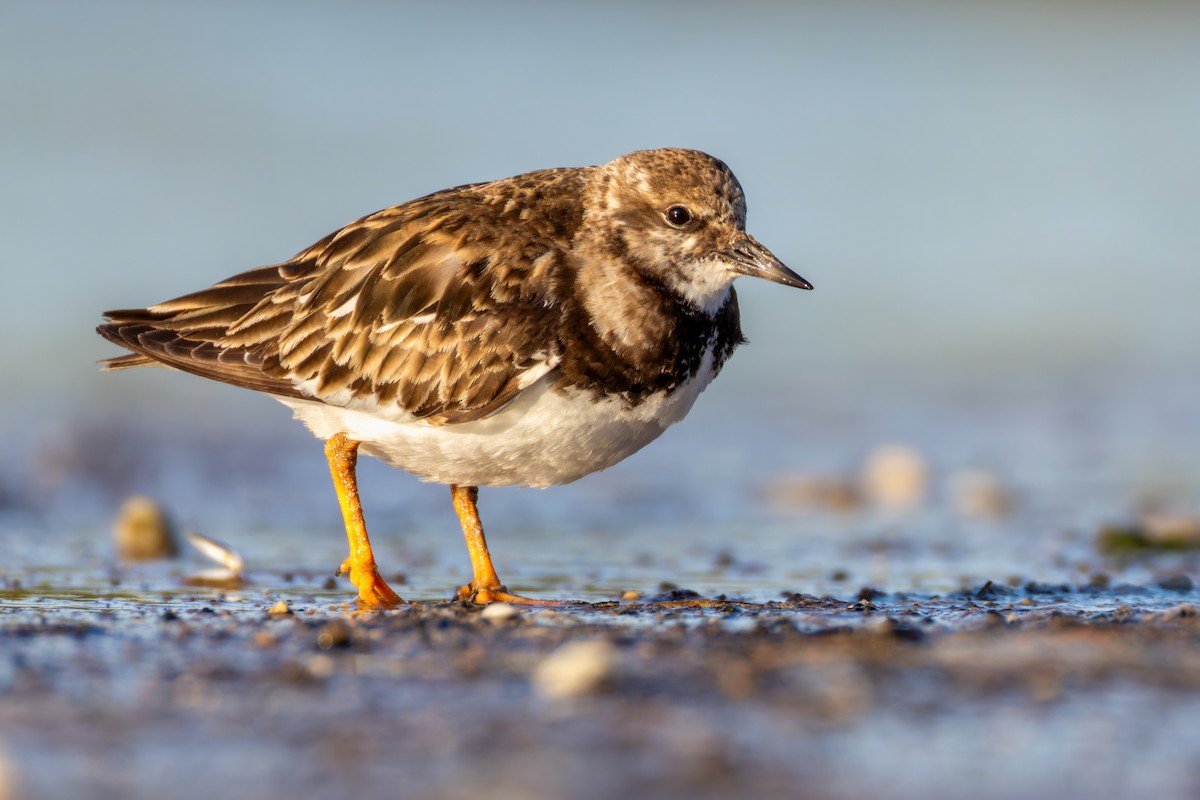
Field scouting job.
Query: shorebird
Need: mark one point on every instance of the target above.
(525, 331)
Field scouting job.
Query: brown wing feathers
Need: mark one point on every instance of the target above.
(184, 333)
(411, 306)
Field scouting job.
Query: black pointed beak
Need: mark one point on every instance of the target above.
(749, 257)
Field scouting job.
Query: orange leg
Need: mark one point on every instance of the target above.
(373, 591)
(486, 587)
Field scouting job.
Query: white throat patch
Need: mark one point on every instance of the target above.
(705, 284)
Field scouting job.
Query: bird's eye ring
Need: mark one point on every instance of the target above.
(678, 216)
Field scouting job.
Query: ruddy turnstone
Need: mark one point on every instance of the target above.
(527, 331)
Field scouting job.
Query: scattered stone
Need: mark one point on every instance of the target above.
(334, 634)
(1164, 530)
(575, 669)
(142, 531)
(975, 493)
(796, 491)
(497, 613)
(1116, 539)
(1177, 583)
(1152, 532)
(803, 600)
(1033, 587)
(673, 594)
(1123, 613)
(895, 477)
(318, 667)
(280, 609)
(904, 631)
(1130, 589)
(1181, 611)
(631, 595)
(990, 591)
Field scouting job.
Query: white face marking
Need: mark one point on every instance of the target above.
(705, 284)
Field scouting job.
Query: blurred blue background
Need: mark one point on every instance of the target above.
(996, 201)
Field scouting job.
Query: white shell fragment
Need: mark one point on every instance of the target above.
(219, 552)
(575, 669)
(498, 612)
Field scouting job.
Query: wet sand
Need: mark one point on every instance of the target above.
(993, 691)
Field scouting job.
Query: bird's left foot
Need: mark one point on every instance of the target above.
(373, 591)
(499, 593)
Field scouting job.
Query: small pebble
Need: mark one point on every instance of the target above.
(895, 477)
(1177, 583)
(575, 669)
(975, 493)
(142, 531)
(280, 609)
(319, 667)
(631, 595)
(1164, 530)
(499, 612)
(1185, 610)
(800, 490)
(1156, 531)
(334, 634)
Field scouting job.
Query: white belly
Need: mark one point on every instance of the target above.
(540, 439)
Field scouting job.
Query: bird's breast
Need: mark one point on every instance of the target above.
(552, 433)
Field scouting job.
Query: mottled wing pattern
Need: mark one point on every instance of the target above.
(186, 333)
(444, 308)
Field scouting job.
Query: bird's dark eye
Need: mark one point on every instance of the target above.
(678, 216)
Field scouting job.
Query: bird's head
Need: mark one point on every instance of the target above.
(679, 216)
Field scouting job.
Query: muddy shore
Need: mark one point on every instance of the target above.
(1061, 691)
